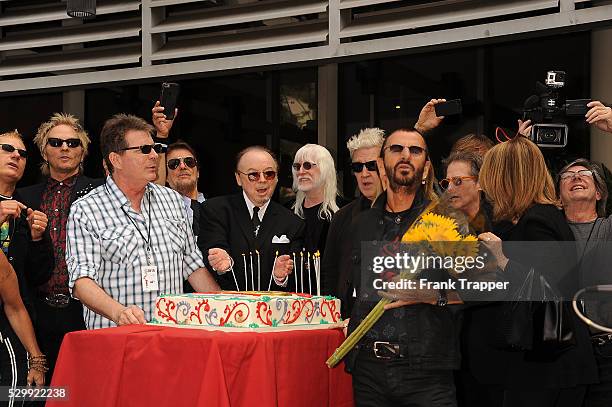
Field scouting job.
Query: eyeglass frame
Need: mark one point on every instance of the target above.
(363, 165)
(422, 150)
(452, 179)
(297, 166)
(579, 173)
(22, 153)
(67, 141)
(163, 148)
(182, 160)
(259, 174)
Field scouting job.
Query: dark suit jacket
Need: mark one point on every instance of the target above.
(225, 224)
(336, 265)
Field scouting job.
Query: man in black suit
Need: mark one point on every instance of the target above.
(336, 267)
(63, 145)
(241, 234)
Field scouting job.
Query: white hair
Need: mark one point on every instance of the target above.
(369, 137)
(322, 158)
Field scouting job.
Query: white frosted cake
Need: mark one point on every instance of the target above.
(246, 309)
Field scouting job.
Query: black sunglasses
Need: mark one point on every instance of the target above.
(398, 148)
(255, 175)
(10, 148)
(357, 167)
(174, 163)
(146, 148)
(307, 165)
(58, 142)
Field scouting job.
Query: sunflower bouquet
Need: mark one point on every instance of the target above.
(435, 233)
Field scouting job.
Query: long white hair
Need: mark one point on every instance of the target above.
(322, 158)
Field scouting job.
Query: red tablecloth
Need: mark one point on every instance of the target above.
(161, 366)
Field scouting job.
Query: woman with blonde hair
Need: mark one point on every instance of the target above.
(516, 180)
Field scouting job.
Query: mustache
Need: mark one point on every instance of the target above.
(402, 162)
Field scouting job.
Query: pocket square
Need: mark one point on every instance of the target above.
(282, 239)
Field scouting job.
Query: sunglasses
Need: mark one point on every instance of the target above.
(357, 167)
(174, 163)
(457, 181)
(398, 148)
(10, 148)
(307, 165)
(58, 142)
(255, 175)
(571, 174)
(146, 148)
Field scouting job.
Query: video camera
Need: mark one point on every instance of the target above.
(548, 111)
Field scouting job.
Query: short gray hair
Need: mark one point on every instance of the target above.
(366, 138)
(600, 184)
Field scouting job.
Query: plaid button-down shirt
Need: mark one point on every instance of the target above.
(106, 242)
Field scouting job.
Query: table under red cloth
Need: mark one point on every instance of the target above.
(141, 365)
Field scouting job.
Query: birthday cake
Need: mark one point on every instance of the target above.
(247, 309)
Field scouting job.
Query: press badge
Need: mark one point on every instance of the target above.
(149, 278)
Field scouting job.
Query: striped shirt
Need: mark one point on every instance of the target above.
(106, 241)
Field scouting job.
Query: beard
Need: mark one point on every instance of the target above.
(185, 186)
(398, 180)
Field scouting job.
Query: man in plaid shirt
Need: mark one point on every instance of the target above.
(129, 239)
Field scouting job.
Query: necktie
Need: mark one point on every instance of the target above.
(256, 221)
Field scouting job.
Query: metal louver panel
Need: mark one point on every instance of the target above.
(57, 11)
(438, 13)
(70, 60)
(254, 39)
(218, 17)
(72, 35)
(137, 39)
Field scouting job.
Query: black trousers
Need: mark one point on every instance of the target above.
(558, 397)
(600, 394)
(51, 326)
(392, 383)
(13, 360)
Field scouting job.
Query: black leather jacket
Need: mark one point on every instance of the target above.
(428, 334)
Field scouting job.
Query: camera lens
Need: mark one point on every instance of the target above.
(549, 136)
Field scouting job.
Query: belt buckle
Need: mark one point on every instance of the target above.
(376, 350)
(57, 300)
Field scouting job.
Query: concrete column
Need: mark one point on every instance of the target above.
(74, 103)
(328, 107)
(601, 89)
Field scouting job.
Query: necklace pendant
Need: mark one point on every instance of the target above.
(398, 219)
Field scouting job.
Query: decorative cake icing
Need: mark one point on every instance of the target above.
(246, 309)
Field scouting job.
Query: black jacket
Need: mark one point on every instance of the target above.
(33, 261)
(431, 333)
(518, 369)
(32, 194)
(336, 264)
(225, 224)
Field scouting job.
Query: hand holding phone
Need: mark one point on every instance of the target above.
(168, 98)
(449, 108)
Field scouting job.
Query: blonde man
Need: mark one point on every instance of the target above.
(316, 187)
(63, 143)
(364, 149)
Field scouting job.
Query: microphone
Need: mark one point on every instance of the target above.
(532, 102)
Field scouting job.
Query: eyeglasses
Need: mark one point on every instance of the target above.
(357, 167)
(307, 165)
(398, 148)
(457, 181)
(571, 174)
(58, 142)
(255, 175)
(146, 148)
(9, 148)
(174, 163)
